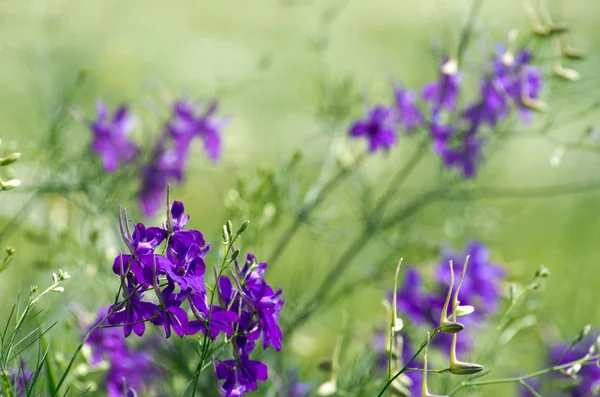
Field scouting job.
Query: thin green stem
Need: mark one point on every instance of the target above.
(308, 206)
(204, 353)
(522, 378)
(392, 379)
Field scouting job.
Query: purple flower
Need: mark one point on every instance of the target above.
(165, 165)
(133, 313)
(481, 285)
(377, 127)
(185, 125)
(243, 372)
(587, 381)
(221, 320)
(172, 315)
(465, 154)
(409, 115)
(442, 94)
(127, 368)
(110, 140)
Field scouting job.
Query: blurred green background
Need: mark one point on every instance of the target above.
(258, 58)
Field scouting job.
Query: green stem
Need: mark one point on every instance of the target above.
(391, 380)
(522, 378)
(204, 354)
(308, 206)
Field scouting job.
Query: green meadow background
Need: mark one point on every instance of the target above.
(258, 59)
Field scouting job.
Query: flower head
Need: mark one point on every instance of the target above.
(377, 127)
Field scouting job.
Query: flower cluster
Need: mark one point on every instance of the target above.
(258, 307)
(128, 369)
(170, 152)
(457, 133)
(243, 307)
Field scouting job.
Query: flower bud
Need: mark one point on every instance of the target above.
(11, 158)
(325, 366)
(463, 311)
(225, 234)
(558, 28)
(566, 73)
(460, 368)
(450, 327)
(328, 388)
(235, 254)
(542, 272)
(243, 227)
(229, 226)
(58, 289)
(10, 184)
(585, 331)
(10, 251)
(54, 277)
(450, 67)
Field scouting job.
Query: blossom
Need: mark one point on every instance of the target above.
(377, 127)
(132, 313)
(127, 368)
(409, 115)
(481, 285)
(186, 124)
(587, 380)
(443, 93)
(243, 372)
(111, 140)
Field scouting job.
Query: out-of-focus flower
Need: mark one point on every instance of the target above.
(409, 115)
(111, 140)
(481, 285)
(378, 127)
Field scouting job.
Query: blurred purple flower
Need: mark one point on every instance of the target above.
(481, 285)
(409, 115)
(377, 127)
(443, 93)
(110, 140)
(186, 124)
(127, 368)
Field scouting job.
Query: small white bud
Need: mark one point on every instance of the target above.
(58, 289)
(327, 389)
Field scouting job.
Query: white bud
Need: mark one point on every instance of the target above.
(463, 311)
(327, 389)
(58, 289)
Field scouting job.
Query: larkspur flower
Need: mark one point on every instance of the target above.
(186, 124)
(587, 380)
(127, 368)
(481, 285)
(111, 140)
(443, 93)
(132, 313)
(377, 127)
(172, 316)
(241, 372)
(409, 115)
